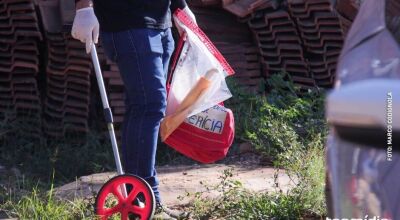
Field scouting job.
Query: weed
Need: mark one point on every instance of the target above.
(288, 126)
(282, 120)
(304, 201)
(24, 199)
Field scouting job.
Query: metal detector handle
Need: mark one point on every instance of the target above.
(107, 109)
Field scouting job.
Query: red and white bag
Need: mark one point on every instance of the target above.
(208, 131)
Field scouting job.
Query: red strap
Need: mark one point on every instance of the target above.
(183, 17)
(175, 59)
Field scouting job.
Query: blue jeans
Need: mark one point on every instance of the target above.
(142, 56)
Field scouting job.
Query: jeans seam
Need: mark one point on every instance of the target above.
(127, 120)
(144, 94)
(115, 48)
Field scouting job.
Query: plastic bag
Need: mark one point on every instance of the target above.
(172, 121)
(198, 57)
(196, 123)
(205, 137)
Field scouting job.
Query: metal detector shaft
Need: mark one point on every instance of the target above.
(107, 110)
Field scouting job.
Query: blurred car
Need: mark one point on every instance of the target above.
(363, 111)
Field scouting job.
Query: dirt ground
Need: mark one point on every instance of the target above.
(177, 181)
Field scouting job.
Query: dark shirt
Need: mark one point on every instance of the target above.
(120, 15)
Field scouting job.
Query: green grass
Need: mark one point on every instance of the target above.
(287, 127)
(90, 153)
(35, 165)
(24, 198)
(280, 121)
(39, 205)
(304, 201)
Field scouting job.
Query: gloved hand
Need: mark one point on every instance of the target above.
(190, 14)
(86, 27)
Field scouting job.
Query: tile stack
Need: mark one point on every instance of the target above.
(243, 8)
(347, 11)
(393, 18)
(279, 44)
(115, 93)
(245, 60)
(19, 65)
(300, 37)
(321, 35)
(66, 107)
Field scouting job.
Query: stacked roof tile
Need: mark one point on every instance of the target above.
(300, 37)
(347, 11)
(321, 35)
(393, 18)
(66, 107)
(245, 60)
(115, 93)
(243, 8)
(280, 46)
(18, 19)
(233, 39)
(19, 64)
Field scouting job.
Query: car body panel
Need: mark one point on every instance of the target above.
(364, 183)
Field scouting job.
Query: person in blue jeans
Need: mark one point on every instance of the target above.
(136, 34)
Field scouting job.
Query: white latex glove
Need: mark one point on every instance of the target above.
(190, 14)
(86, 27)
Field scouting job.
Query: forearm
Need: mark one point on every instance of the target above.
(83, 4)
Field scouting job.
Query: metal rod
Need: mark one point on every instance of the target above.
(106, 107)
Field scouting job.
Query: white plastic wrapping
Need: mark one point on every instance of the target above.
(198, 57)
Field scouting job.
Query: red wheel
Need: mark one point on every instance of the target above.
(138, 204)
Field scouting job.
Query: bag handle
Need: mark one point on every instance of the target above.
(175, 59)
(183, 17)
